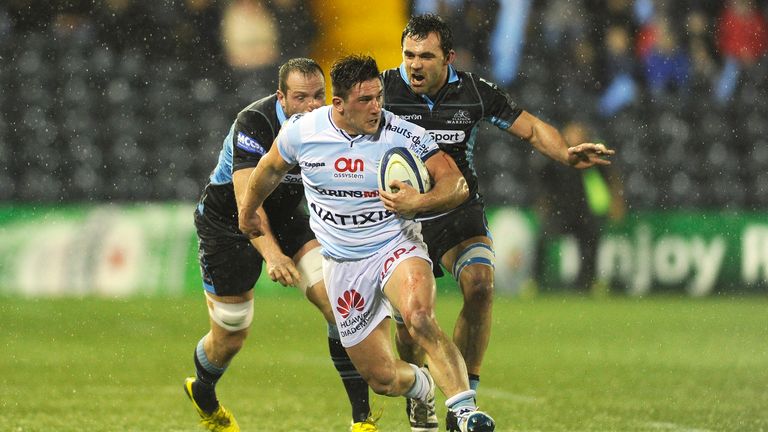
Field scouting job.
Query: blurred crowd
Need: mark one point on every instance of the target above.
(107, 99)
(618, 48)
(678, 87)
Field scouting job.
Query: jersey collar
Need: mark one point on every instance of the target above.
(348, 137)
(452, 78)
(280, 113)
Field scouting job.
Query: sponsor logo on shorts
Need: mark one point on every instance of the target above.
(347, 193)
(249, 144)
(360, 219)
(352, 325)
(348, 301)
(351, 301)
(396, 255)
(448, 136)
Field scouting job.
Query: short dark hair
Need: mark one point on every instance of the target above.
(350, 70)
(420, 26)
(305, 66)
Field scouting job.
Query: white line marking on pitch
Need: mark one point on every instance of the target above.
(674, 427)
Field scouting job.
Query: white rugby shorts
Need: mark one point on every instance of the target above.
(356, 287)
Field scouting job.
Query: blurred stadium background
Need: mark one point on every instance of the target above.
(112, 114)
(111, 107)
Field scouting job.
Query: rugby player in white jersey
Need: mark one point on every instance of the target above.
(230, 263)
(372, 258)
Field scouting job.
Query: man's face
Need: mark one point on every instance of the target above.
(362, 107)
(303, 93)
(425, 64)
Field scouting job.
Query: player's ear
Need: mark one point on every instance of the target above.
(338, 104)
(450, 57)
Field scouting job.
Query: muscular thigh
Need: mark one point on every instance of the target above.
(411, 286)
(449, 259)
(356, 289)
(354, 292)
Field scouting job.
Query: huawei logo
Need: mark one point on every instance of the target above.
(350, 300)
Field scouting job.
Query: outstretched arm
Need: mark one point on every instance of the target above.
(280, 267)
(548, 140)
(263, 180)
(449, 189)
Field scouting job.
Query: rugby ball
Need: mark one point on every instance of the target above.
(400, 163)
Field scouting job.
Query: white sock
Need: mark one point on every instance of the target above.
(420, 388)
(461, 402)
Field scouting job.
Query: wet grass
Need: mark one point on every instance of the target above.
(556, 363)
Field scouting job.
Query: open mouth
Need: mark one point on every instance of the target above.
(417, 79)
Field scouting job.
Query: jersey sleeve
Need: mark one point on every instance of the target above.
(424, 145)
(288, 140)
(499, 108)
(252, 138)
(410, 135)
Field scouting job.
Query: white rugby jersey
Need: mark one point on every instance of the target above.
(340, 178)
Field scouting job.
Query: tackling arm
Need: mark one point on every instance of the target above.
(548, 140)
(267, 242)
(279, 266)
(263, 180)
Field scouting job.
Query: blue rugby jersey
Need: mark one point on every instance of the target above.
(248, 139)
(453, 117)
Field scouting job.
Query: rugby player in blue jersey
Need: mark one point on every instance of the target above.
(231, 263)
(372, 259)
(427, 90)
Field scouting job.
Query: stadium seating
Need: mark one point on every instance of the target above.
(82, 119)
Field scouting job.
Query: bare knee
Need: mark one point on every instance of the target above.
(381, 378)
(418, 314)
(230, 343)
(477, 285)
(421, 323)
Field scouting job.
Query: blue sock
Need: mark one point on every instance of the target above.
(208, 374)
(474, 381)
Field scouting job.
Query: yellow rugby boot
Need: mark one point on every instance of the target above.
(220, 420)
(367, 425)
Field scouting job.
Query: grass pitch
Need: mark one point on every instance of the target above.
(556, 363)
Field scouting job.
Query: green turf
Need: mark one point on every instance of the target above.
(555, 364)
